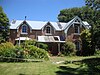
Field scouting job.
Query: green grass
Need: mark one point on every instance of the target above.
(31, 68)
(88, 66)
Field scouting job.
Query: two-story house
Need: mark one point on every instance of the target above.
(51, 33)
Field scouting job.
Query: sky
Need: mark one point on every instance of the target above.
(37, 10)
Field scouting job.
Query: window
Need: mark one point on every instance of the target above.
(77, 45)
(77, 29)
(56, 39)
(48, 29)
(24, 29)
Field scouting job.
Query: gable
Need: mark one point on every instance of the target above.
(48, 24)
(38, 25)
(75, 20)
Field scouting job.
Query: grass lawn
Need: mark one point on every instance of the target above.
(88, 66)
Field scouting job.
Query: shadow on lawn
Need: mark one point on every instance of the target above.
(86, 67)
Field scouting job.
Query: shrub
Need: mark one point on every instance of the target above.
(86, 43)
(69, 49)
(43, 46)
(21, 52)
(38, 53)
(31, 52)
(7, 50)
(28, 43)
(97, 52)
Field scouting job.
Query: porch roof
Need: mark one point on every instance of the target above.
(23, 38)
(50, 39)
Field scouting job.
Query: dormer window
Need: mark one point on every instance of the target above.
(77, 30)
(24, 29)
(48, 29)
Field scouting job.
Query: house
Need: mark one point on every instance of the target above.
(51, 33)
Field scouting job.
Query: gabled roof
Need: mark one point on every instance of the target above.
(33, 24)
(58, 25)
(14, 24)
(72, 21)
(37, 25)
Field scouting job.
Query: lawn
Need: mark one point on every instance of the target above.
(87, 66)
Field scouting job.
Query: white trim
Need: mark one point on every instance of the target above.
(71, 22)
(47, 29)
(25, 24)
(50, 26)
(78, 29)
(26, 29)
(23, 38)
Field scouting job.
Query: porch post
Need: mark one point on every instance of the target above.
(19, 41)
(58, 48)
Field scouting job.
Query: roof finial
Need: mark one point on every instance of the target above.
(25, 17)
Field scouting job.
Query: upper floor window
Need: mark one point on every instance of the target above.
(77, 30)
(48, 30)
(24, 29)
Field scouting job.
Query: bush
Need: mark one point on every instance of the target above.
(69, 49)
(97, 52)
(27, 43)
(43, 46)
(31, 52)
(38, 53)
(7, 50)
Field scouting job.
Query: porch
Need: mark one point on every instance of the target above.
(54, 43)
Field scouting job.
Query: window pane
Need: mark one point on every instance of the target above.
(77, 30)
(24, 29)
(47, 29)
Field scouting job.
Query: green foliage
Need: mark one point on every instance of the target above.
(86, 14)
(4, 26)
(28, 49)
(39, 53)
(7, 49)
(97, 35)
(95, 23)
(83, 12)
(97, 52)
(95, 4)
(25, 45)
(86, 42)
(69, 49)
(67, 14)
(43, 46)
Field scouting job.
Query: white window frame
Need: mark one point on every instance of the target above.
(25, 30)
(48, 31)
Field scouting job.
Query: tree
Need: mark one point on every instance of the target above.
(94, 4)
(95, 24)
(86, 42)
(85, 13)
(4, 26)
(67, 14)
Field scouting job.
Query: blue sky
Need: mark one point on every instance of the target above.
(41, 10)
